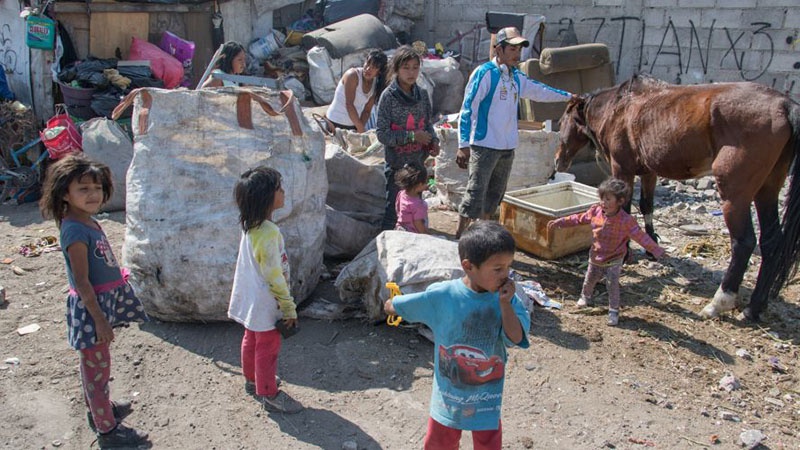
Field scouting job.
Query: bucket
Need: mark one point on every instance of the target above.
(76, 96)
(40, 32)
(263, 48)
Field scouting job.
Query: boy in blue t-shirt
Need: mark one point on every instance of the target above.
(473, 320)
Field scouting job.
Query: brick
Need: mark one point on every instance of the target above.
(609, 3)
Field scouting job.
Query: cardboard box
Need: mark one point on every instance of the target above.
(525, 214)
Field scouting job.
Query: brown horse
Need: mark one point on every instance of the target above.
(746, 135)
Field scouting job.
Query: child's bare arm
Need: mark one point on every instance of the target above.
(420, 226)
(511, 326)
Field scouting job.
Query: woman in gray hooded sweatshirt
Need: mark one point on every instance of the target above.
(404, 124)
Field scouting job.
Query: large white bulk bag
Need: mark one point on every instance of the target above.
(105, 141)
(190, 147)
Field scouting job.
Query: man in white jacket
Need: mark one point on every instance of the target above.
(488, 132)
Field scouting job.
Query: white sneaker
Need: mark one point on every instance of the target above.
(582, 302)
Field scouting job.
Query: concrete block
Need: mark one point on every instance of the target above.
(772, 16)
(609, 3)
(792, 18)
(697, 3)
(681, 16)
(659, 3)
(736, 4)
(784, 61)
(652, 37)
(731, 18)
(767, 3)
(654, 18)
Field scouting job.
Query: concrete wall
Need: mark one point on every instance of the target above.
(14, 52)
(680, 41)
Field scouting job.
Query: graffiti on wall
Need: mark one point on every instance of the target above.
(737, 53)
(8, 56)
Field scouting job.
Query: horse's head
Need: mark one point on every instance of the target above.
(573, 134)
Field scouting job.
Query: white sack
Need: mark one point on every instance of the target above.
(533, 164)
(182, 237)
(448, 81)
(347, 234)
(106, 142)
(356, 199)
(413, 261)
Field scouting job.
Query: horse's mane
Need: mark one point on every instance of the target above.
(640, 83)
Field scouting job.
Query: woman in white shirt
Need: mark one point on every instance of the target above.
(356, 94)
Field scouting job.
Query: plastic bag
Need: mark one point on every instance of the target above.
(163, 65)
(61, 136)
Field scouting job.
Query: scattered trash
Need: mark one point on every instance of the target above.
(729, 383)
(751, 438)
(13, 361)
(714, 439)
(39, 246)
(645, 442)
(776, 364)
(322, 309)
(744, 354)
(2, 295)
(7, 261)
(774, 402)
(534, 291)
(694, 230)
(28, 329)
(727, 415)
(18, 270)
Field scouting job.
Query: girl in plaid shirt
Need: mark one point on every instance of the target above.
(612, 227)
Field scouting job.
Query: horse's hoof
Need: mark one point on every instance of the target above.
(722, 302)
(751, 315)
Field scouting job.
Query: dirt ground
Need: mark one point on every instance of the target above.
(651, 382)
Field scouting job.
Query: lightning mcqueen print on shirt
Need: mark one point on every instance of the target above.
(463, 364)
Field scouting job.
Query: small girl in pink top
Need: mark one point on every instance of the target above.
(412, 211)
(612, 227)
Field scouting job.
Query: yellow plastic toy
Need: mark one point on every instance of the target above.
(394, 289)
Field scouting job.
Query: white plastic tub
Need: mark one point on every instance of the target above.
(525, 214)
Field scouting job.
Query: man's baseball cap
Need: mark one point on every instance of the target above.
(511, 36)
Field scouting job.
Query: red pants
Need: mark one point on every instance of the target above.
(440, 437)
(260, 359)
(95, 373)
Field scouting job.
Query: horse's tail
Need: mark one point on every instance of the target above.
(786, 264)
